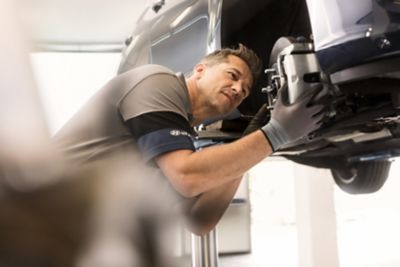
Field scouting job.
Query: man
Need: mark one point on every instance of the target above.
(148, 113)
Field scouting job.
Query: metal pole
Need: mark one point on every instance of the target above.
(205, 250)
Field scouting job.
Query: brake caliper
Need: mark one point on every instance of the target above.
(294, 63)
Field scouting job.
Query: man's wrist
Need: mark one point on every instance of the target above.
(266, 137)
(275, 134)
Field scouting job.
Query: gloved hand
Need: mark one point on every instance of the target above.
(259, 120)
(290, 122)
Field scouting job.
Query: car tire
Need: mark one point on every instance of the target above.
(363, 177)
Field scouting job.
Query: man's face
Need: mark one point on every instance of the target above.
(224, 85)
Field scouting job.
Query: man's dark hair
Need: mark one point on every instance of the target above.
(246, 54)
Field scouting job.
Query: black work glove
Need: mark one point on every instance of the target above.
(290, 122)
(259, 120)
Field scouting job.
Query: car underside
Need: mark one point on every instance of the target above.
(360, 133)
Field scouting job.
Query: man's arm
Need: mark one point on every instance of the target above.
(204, 211)
(206, 173)
(193, 173)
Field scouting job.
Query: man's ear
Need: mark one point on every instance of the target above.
(199, 70)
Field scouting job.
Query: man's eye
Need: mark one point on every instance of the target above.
(233, 75)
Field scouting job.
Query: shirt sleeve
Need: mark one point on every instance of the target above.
(160, 132)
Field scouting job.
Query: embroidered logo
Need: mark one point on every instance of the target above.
(178, 133)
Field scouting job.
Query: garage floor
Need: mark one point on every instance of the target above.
(270, 247)
(358, 249)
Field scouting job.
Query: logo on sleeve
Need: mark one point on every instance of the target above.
(179, 133)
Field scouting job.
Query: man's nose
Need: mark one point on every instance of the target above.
(238, 89)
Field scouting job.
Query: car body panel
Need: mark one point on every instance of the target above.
(182, 30)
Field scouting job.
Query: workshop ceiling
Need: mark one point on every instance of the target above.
(75, 25)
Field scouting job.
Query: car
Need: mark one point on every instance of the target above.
(349, 49)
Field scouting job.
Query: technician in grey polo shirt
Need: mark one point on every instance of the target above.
(149, 113)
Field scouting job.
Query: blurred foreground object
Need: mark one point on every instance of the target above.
(91, 217)
(24, 138)
(55, 214)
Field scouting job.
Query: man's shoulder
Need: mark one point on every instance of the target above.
(146, 78)
(155, 78)
(151, 69)
(159, 89)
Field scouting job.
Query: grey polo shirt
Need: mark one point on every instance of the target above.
(145, 110)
